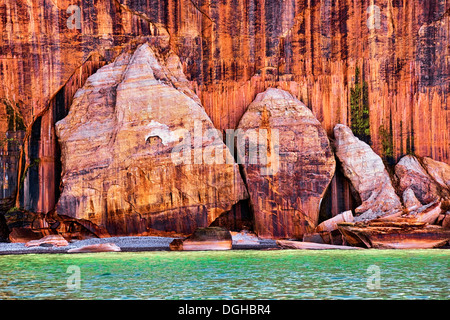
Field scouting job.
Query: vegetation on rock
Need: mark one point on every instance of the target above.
(359, 108)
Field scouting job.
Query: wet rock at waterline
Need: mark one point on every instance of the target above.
(50, 240)
(138, 151)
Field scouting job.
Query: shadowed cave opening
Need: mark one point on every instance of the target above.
(339, 196)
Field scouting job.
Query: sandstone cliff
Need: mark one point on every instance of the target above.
(121, 168)
(387, 60)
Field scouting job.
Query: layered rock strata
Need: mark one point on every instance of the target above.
(204, 239)
(428, 179)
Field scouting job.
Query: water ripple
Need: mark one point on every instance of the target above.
(284, 274)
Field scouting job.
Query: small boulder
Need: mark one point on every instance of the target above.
(54, 239)
(99, 247)
(210, 238)
(410, 200)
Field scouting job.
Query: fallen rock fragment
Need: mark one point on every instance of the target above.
(428, 214)
(428, 179)
(54, 240)
(328, 229)
(368, 175)
(210, 238)
(395, 234)
(288, 177)
(332, 224)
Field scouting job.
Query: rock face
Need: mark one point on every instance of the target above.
(365, 169)
(427, 178)
(23, 235)
(294, 165)
(136, 158)
(287, 244)
(51, 240)
(211, 238)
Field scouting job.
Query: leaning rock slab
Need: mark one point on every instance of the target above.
(328, 229)
(332, 224)
(294, 165)
(428, 213)
(368, 175)
(53, 240)
(131, 161)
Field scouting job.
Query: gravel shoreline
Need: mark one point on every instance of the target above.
(126, 244)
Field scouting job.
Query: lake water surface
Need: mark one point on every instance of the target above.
(272, 274)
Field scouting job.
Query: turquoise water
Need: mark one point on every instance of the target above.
(279, 274)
